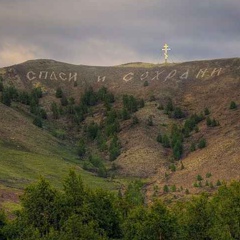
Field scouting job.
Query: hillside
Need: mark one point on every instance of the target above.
(191, 87)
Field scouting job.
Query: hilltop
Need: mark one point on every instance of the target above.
(191, 87)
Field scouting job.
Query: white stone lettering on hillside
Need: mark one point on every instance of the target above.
(170, 75)
(144, 76)
(184, 75)
(74, 77)
(31, 75)
(157, 75)
(101, 79)
(202, 72)
(163, 74)
(216, 71)
(62, 76)
(43, 73)
(128, 77)
(53, 76)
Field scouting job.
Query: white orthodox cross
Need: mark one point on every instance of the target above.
(166, 49)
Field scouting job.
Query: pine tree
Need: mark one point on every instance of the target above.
(59, 93)
(81, 148)
(233, 105)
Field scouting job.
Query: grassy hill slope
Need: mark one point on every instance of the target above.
(191, 86)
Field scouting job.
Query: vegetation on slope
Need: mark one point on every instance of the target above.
(80, 213)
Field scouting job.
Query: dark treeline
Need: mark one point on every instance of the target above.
(80, 213)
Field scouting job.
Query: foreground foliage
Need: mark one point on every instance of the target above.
(80, 213)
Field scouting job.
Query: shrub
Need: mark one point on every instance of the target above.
(135, 120)
(177, 150)
(172, 167)
(38, 122)
(64, 101)
(195, 184)
(165, 188)
(160, 107)
(202, 143)
(199, 178)
(208, 175)
(169, 107)
(59, 133)
(193, 147)
(130, 103)
(218, 183)
(173, 188)
(178, 113)
(165, 141)
(59, 92)
(125, 114)
(92, 130)
(206, 111)
(55, 110)
(209, 121)
(159, 138)
(233, 105)
(102, 172)
(81, 148)
(145, 84)
(1, 86)
(114, 148)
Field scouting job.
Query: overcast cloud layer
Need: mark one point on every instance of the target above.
(111, 32)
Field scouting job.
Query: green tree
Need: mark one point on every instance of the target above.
(92, 130)
(76, 228)
(38, 206)
(177, 150)
(145, 84)
(209, 121)
(226, 208)
(114, 148)
(199, 178)
(55, 110)
(206, 111)
(233, 105)
(6, 98)
(159, 138)
(38, 122)
(178, 113)
(59, 93)
(125, 114)
(74, 191)
(193, 147)
(1, 86)
(104, 212)
(64, 101)
(202, 143)
(165, 188)
(134, 194)
(135, 120)
(81, 148)
(165, 141)
(169, 107)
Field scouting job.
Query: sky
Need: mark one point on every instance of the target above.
(112, 32)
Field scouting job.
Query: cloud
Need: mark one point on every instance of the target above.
(11, 53)
(112, 32)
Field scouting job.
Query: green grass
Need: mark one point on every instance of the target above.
(20, 168)
(11, 207)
